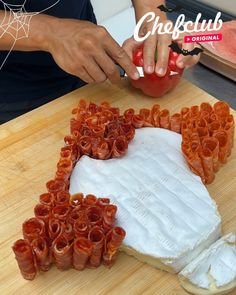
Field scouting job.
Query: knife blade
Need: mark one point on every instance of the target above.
(140, 70)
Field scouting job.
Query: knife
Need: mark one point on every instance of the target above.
(140, 70)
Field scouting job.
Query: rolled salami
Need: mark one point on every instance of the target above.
(222, 138)
(102, 151)
(76, 200)
(62, 198)
(138, 121)
(102, 202)
(94, 215)
(221, 109)
(55, 186)
(175, 122)
(194, 111)
(82, 252)
(42, 253)
(25, 259)
(46, 199)
(89, 200)
(128, 115)
(113, 241)
(54, 228)
(61, 212)
(207, 164)
(68, 231)
(109, 213)
(63, 252)
(33, 228)
(120, 146)
(146, 114)
(65, 165)
(81, 228)
(42, 212)
(206, 107)
(213, 145)
(214, 127)
(98, 131)
(165, 119)
(85, 145)
(155, 115)
(127, 130)
(75, 214)
(97, 237)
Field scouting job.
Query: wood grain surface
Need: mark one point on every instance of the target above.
(29, 150)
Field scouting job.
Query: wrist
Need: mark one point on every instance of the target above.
(42, 29)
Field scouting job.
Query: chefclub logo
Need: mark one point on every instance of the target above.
(181, 26)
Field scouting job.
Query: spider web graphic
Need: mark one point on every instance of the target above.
(16, 22)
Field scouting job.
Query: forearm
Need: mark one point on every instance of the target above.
(143, 6)
(29, 38)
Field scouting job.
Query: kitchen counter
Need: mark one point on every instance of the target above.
(213, 83)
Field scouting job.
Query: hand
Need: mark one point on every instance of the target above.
(87, 51)
(160, 44)
(185, 62)
(156, 47)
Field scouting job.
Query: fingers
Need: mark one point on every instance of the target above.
(118, 54)
(188, 61)
(108, 67)
(191, 62)
(163, 52)
(84, 75)
(156, 52)
(183, 60)
(94, 71)
(195, 59)
(149, 52)
(77, 70)
(130, 45)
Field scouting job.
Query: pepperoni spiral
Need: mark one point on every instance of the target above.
(62, 251)
(46, 199)
(42, 253)
(25, 259)
(113, 241)
(213, 127)
(97, 237)
(175, 123)
(71, 232)
(33, 228)
(54, 228)
(42, 212)
(82, 251)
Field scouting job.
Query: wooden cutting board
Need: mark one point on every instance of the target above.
(29, 150)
